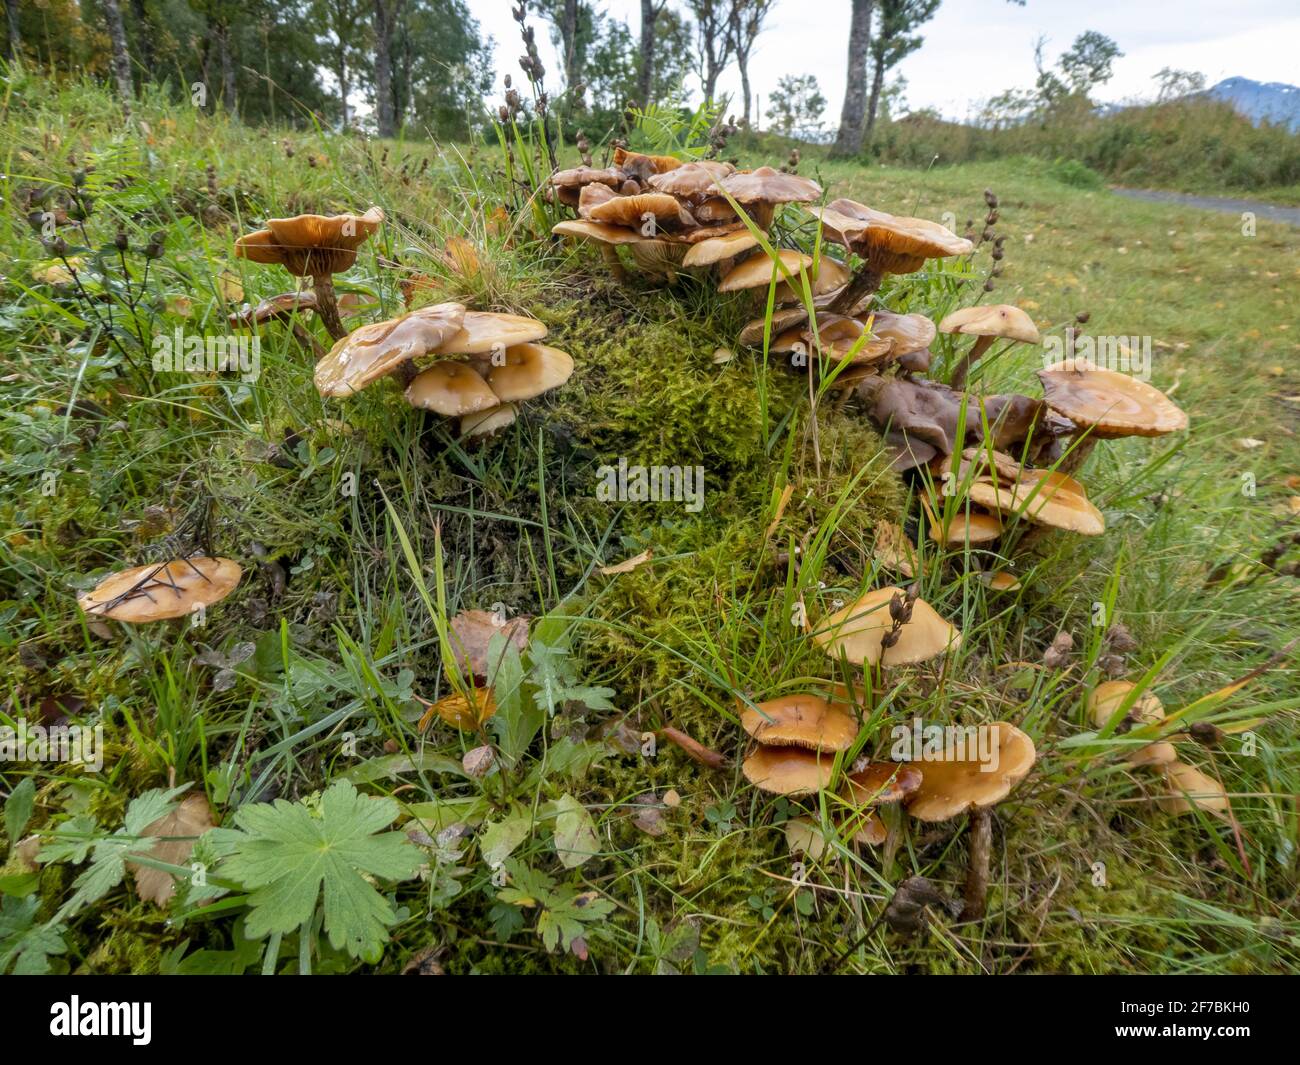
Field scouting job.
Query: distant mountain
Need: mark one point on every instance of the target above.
(1259, 101)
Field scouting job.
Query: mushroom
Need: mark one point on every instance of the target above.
(1107, 405)
(890, 245)
(487, 422)
(960, 783)
(876, 784)
(693, 182)
(162, 590)
(871, 630)
(528, 371)
(1106, 698)
(789, 770)
(606, 236)
(641, 167)
(720, 249)
(1190, 789)
(761, 190)
(1044, 498)
(486, 332)
(987, 324)
(909, 334)
(451, 389)
(829, 276)
(640, 211)
(800, 721)
(966, 526)
(838, 337)
(375, 350)
(1001, 581)
(761, 270)
(315, 246)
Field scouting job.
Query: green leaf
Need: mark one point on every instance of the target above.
(500, 838)
(287, 856)
(518, 718)
(27, 944)
(18, 809)
(575, 834)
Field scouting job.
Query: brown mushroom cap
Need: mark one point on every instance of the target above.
(881, 782)
(1190, 788)
(482, 332)
(716, 249)
(800, 721)
(692, 182)
(310, 245)
(783, 318)
(375, 350)
(1045, 498)
(596, 231)
(487, 422)
(159, 591)
(713, 209)
(769, 186)
(959, 782)
(451, 389)
(996, 320)
(640, 167)
(857, 630)
(908, 332)
(789, 770)
(274, 308)
(1159, 753)
(974, 527)
(1113, 404)
(831, 276)
(584, 176)
(759, 270)
(1107, 697)
(530, 370)
(634, 210)
(893, 244)
(592, 197)
(838, 337)
(1002, 581)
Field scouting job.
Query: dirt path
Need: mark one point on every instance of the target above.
(1270, 211)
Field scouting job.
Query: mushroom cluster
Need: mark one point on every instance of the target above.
(675, 215)
(482, 363)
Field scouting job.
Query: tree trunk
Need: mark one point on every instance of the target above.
(877, 83)
(341, 72)
(121, 57)
(384, 69)
(569, 38)
(646, 74)
(227, 70)
(742, 61)
(147, 54)
(849, 139)
(711, 86)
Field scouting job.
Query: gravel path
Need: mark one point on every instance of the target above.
(1270, 211)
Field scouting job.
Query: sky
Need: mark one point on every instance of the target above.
(975, 49)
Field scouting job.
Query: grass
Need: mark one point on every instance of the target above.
(310, 673)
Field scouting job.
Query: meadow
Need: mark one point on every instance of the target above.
(364, 527)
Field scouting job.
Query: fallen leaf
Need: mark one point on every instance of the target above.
(472, 631)
(628, 565)
(456, 710)
(186, 823)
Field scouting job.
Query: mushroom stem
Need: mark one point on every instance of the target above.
(327, 306)
(977, 349)
(610, 254)
(860, 286)
(1078, 454)
(304, 337)
(977, 871)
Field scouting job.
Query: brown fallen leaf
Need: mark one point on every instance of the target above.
(177, 832)
(693, 748)
(472, 632)
(628, 565)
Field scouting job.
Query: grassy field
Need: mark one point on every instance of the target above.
(364, 525)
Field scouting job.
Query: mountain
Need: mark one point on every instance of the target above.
(1271, 101)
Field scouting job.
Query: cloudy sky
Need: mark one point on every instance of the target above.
(976, 48)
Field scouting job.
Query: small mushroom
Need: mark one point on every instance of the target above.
(829, 276)
(800, 721)
(693, 182)
(483, 332)
(1190, 789)
(528, 371)
(859, 631)
(720, 249)
(637, 211)
(1044, 498)
(641, 167)
(488, 422)
(960, 783)
(789, 770)
(760, 270)
(162, 590)
(971, 526)
(987, 324)
(376, 350)
(451, 389)
(890, 245)
(761, 190)
(315, 246)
